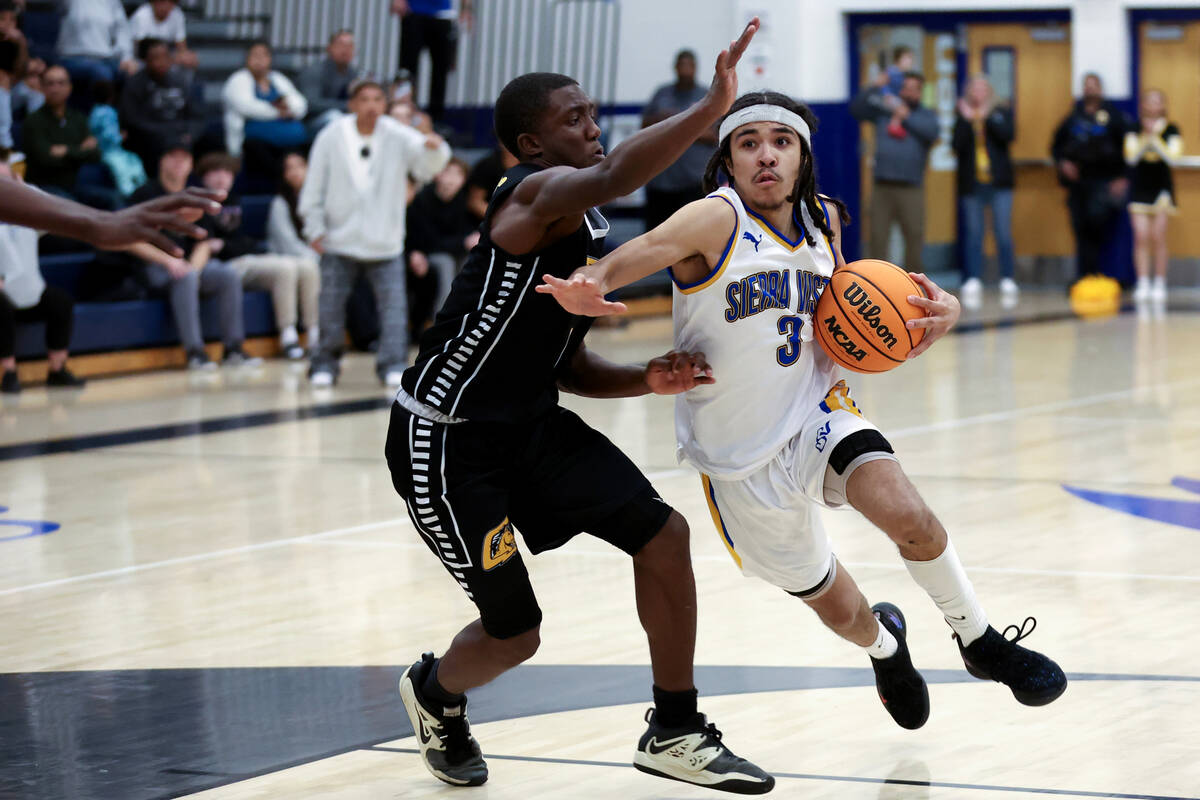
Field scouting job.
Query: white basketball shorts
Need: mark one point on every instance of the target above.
(769, 520)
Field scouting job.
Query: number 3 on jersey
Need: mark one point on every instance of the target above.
(789, 353)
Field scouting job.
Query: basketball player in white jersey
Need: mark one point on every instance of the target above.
(778, 434)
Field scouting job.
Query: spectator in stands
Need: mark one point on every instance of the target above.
(262, 105)
(94, 42)
(326, 83)
(58, 142)
(429, 25)
(440, 229)
(26, 92)
(183, 282)
(405, 111)
(484, 178)
(25, 297)
(892, 80)
(282, 274)
(163, 19)
(9, 53)
(1089, 151)
(126, 169)
(903, 136)
(157, 106)
(983, 132)
(353, 206)
(285, 228)
(683, 181)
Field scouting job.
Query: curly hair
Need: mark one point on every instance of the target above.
(805, 188)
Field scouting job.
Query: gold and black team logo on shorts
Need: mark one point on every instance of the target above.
(499, 545)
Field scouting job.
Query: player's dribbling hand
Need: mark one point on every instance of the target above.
(677, 372)
(941, 312)
(723, 90)
(580, 295)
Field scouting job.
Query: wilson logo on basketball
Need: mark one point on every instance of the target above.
(842, 340)
(861, 301)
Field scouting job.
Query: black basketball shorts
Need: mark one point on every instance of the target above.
(469, 485)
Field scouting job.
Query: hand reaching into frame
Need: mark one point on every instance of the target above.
(677, 372)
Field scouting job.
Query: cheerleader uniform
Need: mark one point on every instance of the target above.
(1151, 156)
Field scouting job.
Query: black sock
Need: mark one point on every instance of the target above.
(673, 709)
(436, 692)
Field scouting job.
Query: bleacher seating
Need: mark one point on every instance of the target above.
(138, 324)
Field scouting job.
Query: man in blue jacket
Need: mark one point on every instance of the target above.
(904, 132)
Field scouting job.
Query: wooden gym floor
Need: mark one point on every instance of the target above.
(208, 585)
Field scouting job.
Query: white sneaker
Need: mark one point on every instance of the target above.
(972, 294)
(1158, 291)
(1141, 291)
(322, 378)
(393, 378)
(1009, 292)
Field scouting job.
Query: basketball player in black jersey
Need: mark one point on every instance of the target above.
(478, 446)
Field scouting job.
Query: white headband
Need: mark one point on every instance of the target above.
(765, 113)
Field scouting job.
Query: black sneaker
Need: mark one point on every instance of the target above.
(1034, 679)
(443, 734)
(901, 688)
(693, 753)
(10, 383)
(65, 378)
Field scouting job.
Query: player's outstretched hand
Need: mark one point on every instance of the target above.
(677, 372)
(144, 222)
(581, 295)
(724, 87)
(941, 312)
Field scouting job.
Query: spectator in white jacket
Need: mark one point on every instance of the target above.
(164, 19)
(94, 41)
(262, 105)
(354, 205)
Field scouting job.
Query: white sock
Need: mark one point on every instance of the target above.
(946, 582)
(314, 335)
(885, 645)
(288, 336)
(1160, 283)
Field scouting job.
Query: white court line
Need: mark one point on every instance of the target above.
(962, 422)
(250, 548)
(1015, 413)
(706, 558)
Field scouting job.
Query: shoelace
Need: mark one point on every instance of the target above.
(712, 731)
(456, 736)
(1020, 629)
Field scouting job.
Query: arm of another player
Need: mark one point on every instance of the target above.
(109, 230)
(589, 375)
(700, 228)
(563, 191)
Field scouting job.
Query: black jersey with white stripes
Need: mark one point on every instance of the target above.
(496, 346)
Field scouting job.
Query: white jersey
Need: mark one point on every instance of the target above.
(752, 318)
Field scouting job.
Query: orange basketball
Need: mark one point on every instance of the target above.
(861, 314)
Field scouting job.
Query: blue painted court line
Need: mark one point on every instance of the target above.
(1184, 513)
(157, 433)
(978, 787)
